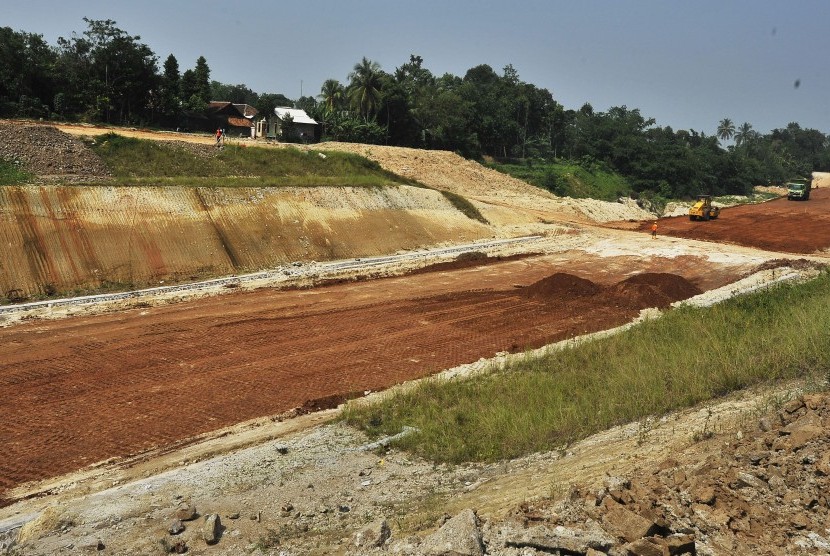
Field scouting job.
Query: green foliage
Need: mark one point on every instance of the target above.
(137, 161)
(266, 103)
(106, 74)
(12, 174)
(726, 129)
(568, 179)
(688, 356)
(364, 91)
(350, 128)
(288, 130)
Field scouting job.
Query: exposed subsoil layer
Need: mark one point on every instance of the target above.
(778, 225)
(78, 391)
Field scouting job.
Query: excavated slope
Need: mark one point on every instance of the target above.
(502, 199)
(54, 239)
(59, 240)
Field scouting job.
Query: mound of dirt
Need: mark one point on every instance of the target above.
(652, 289)
(561, 284)
(50, 154)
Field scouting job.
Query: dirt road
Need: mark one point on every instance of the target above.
(778, 225)
(77, 391)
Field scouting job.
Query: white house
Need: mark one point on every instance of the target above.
(305, 126)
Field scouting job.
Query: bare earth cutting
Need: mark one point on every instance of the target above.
(119, 419)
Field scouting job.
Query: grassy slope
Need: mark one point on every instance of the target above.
(570, 180)
(141, 162)
(688, 356)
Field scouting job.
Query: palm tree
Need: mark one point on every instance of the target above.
(364, 90)
(726, 129)
(744, 134)
(331, 94)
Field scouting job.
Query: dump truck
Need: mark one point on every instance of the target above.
(703, 209)
(798, 190)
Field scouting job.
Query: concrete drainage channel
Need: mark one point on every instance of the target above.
(289, 271)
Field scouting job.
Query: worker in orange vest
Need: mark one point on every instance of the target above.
(654, 230)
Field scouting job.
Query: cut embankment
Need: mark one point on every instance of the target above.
(57, 240)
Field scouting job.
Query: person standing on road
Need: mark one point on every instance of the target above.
(654, 230)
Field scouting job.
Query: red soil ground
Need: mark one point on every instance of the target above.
(778, 225)
(81, 390)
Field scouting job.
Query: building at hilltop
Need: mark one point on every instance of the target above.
(289, 124)
(238, 120)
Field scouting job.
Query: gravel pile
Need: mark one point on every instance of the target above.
(50, 154)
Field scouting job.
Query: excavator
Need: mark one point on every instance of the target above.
(703, 209)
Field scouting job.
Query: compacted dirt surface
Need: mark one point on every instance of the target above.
(202, 425)
(77, 391)
(777, 225)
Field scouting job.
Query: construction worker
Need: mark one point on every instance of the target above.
(654, 230)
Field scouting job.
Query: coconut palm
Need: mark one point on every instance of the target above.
(331, 94)
(726, 129)
(364, 89)
(744, 134)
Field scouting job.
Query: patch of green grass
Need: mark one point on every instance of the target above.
(142, 162)
(688, 356)
(12, 174)
(571, 180)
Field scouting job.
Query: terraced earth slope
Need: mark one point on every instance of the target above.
(162, 388)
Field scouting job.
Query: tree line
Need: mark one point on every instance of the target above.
(107, 75)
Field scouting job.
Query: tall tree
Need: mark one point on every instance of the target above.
(743, 133)
(26, 72)
(726, 129)
(331, 95)
(189, 92)
(268, 101)
(238, 94)
(308, 104)
(364, 90)
(201, 76)
(109, 71)
(170, 87)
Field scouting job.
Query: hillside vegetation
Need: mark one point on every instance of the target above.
(688, 356)
(568, 179)
(142, 162)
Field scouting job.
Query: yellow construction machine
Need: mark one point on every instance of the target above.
(703, 209)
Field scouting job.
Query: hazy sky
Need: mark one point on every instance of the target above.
(688, 64)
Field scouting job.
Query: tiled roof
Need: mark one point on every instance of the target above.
(246, 110)
(239, 122)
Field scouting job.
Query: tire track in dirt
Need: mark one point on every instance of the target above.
(82, 390)
(777, 225)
